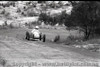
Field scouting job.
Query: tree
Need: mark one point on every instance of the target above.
(5, 23)
(52, 20)
(46, 18)
(41, 1)
(63, 17)
(73, 3)
(43, 17)
(85, 16)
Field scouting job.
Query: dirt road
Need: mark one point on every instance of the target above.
(14, 50)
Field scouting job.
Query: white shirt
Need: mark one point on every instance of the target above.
(35, 32)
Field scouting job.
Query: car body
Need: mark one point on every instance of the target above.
(35, 36)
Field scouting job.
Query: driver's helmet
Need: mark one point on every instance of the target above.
(37, 27)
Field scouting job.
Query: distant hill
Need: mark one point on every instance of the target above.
(11, 10)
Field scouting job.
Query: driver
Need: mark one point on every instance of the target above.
(36, 31)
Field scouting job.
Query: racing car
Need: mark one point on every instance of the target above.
(41, 37)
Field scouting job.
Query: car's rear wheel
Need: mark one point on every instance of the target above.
(44, 38)
(33, 36)
(27, 35)
(40, 37)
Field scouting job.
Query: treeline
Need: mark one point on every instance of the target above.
(85, 15)
(52, 20)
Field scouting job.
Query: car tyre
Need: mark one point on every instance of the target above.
(44, 38)
(40, 37)
(27, 35)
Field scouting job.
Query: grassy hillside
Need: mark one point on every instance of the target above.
(17, 9)
(14, 10)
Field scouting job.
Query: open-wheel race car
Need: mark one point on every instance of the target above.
(41, 37)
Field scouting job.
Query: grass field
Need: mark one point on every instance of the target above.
(19, 33)
(50, 33)
(19, 47)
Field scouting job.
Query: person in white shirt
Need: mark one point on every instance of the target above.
(36, 32)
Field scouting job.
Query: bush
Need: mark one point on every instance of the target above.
(97, 31)
(5, 23)
(11, 26)
(3, 62)
(30, 26)
(56, 39)
(71, 40)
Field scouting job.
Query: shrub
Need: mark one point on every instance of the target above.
(57, 38)
(71, 40)
(5, 23)
(97, 31)
(30, 26)
(3, 61)
(11, 26)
